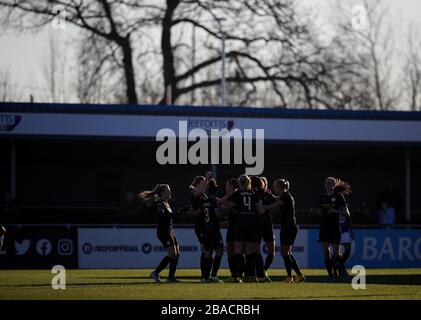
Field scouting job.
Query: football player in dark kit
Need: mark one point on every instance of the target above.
(289, 229)
(245, 231)
(197, 191)
(230, 187)
(270, 245)
(332, 205)
(265, 228)
(159, 198)
(212, 238)
(347, 235)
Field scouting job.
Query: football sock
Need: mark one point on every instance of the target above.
(340, 263)
(173, 267)
(268, 261)
(287, 262)
(345, 256)
(163, 264)
(239, 265)
(202, 264)
(231, 265)
(216, 264)
(242, 265)
(250, 265)
(329, 265)
(260, 272)
(256, 258)
(335, 268)
(247, 266)
(207, 266)
(295, 266)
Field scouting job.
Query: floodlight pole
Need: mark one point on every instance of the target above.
(223, 82)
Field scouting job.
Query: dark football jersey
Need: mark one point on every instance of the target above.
(197, 202)
(209, 213)
(244, 202)
(264, 198)
(165, 216)
(334, 201)
(287, 210)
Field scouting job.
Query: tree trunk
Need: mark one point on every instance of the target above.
(128, 70)
(167, 51)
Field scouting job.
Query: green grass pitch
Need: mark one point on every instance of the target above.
(136, 284)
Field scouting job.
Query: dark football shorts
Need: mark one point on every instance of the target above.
(266, 229)
(167, 239)
(330, 233)
(212, 239)
(246, 229)
(288, 235)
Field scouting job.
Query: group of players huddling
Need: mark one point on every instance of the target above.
(247, 205)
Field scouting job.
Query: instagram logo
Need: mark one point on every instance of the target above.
(65, 247)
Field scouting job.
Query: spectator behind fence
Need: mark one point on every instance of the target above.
(392, 196)
(387, 215)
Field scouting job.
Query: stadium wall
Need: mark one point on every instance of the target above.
(28, 247)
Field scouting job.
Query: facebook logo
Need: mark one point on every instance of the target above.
(43, 247)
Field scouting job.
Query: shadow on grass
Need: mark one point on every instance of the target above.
(94, 284)
(359, 296)
(388, 279)
(408, 279)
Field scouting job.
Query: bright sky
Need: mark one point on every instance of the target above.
(24, 55)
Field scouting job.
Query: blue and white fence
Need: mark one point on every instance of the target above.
(374, 248)
(136, 247)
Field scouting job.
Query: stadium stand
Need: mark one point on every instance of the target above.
(78, 163)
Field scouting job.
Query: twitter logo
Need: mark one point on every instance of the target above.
(22, 247)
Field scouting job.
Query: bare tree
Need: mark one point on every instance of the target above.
(55, 70)
(412, 69)
(8, 91)
(266, 43)
(272, 52)
(108, 19)
(98, 70)
(374, 47)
